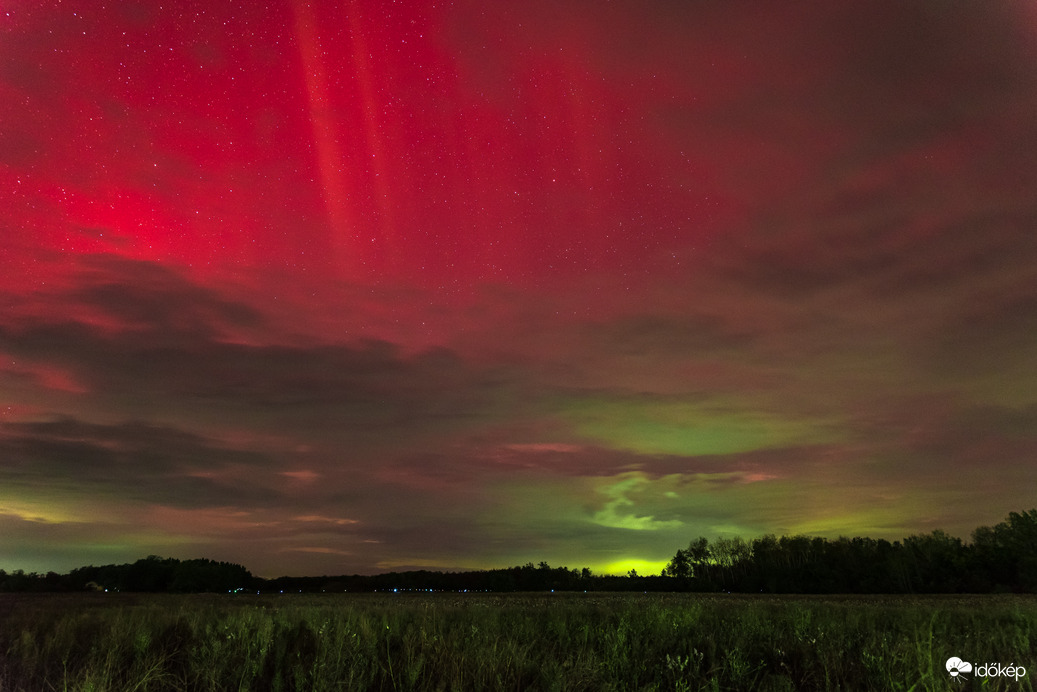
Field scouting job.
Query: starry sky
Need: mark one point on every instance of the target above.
(347, 287)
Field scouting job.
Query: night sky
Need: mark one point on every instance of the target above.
(333, 287)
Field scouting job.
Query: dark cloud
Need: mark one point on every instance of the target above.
(133, 461)
(146, 297)
(144, 339)
(145, 300)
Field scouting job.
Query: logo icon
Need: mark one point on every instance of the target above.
(957, 668)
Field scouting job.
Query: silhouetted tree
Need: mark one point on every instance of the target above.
(680, 566)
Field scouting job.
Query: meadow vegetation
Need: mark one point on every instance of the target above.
(571, 641)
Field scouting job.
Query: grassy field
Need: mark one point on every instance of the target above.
(572, 641)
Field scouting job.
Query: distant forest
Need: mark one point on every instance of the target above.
(999, 559)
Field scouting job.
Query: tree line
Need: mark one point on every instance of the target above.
(152, 574)
(1002, 558)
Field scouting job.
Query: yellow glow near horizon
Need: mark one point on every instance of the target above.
(45, 512)
(645, 568)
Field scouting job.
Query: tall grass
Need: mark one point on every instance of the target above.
(508, 642)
